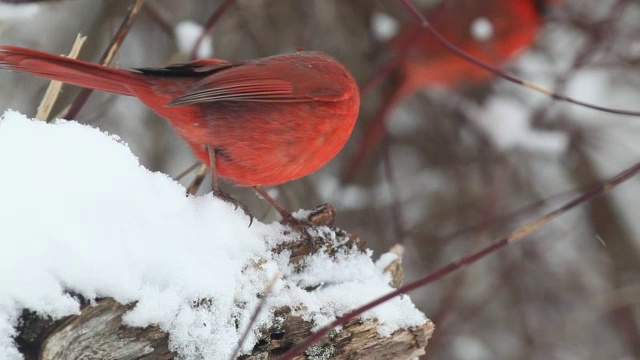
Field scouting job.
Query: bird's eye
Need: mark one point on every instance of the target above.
(481, 29)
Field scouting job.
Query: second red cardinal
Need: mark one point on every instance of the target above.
(269, 120)
(510, 25)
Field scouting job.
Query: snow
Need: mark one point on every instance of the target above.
(353, 271)
(346, 197)
(466, 347)
(383, 26)
(12, 11)
(403, 122)
(507, 124)
(353, 197)
(87, 218)
(385, 260)
(187, 34)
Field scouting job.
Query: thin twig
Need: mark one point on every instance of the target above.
(515, 236)
(397, 218)
(390, 66)
(53, 90)
(424, 23)
(600, 42)
(108, 55)
(158, 15)
(211, 22)
(498, 220)
(254, 315)
(187, 170)
(192, 189)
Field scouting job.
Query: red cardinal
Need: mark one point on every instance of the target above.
(512, 26)
(268, 121)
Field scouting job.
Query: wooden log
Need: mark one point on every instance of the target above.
(98, 333)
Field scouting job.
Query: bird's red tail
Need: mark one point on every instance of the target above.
(76, 72)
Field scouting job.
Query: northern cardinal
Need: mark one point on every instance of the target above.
(512, 26)
(268, 120)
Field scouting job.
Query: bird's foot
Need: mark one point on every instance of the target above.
(323, 215)
(293, 222)
(233, 201)
(300, 225)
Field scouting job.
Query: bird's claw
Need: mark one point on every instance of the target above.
(230, 199)
(300, 225)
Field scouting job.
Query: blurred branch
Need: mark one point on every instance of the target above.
(159, 16)
(187, 171)
(197, 180)
(53, 90)
(600, 39)
(107, 57)
(388, 68)
(514, 237)
(424, 23)
(396, 206)
(211, 22)
(26, 1)
(620, 247)
(265, 295)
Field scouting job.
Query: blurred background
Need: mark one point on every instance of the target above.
(460, 160)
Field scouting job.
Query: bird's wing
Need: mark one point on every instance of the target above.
(280, 81)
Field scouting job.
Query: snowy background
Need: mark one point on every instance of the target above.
(463, 164)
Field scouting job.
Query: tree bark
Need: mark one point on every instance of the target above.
(98, 333)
